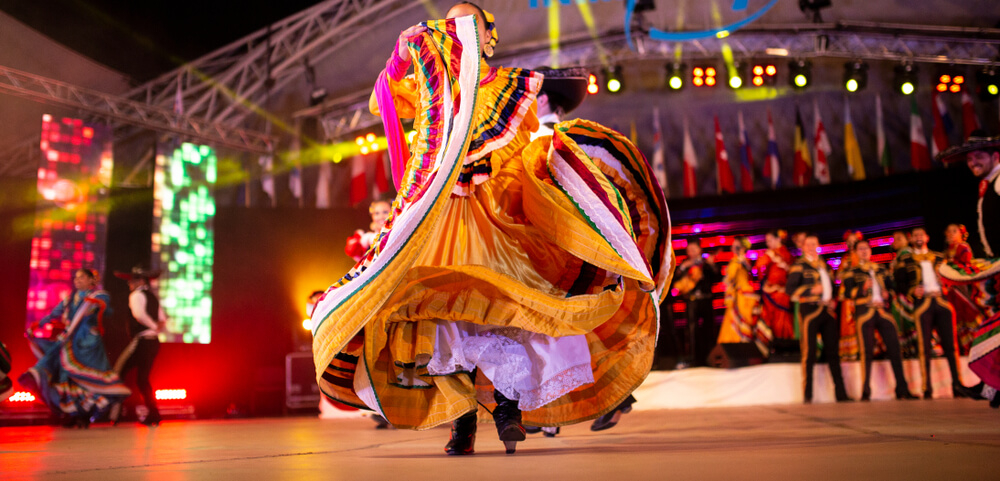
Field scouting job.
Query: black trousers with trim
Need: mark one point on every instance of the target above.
(827, 327)
(886, 328)
(142, 361)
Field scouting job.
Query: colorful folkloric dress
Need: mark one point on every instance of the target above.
(73, 375)
(776, 306)
(538, 265)
(848, 327)
(742, 320)
(984, 350)
(965, 298)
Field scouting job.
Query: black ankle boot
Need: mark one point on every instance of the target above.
(508, 420)
(463, 435)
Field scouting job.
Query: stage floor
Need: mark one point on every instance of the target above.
(906, 440)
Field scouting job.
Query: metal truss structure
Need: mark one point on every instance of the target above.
(229, 85)
(849, 40)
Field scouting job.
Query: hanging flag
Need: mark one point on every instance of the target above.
(724, 175)
(803, 164)
(823, 148)
(883, 151)
(969, 120)
(942, 125)
(772, 167)
(855, 164)
(918, 143)
(659, 163)
(323, 185)
(746, 157)
(359, 182)
(266, 163)
(381, 186)
(295, 157)
(690, 164)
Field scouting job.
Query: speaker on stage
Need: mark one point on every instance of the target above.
(301, 390)
(736, 354)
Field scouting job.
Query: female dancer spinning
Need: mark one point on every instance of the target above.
(73, 375)
(522, 275)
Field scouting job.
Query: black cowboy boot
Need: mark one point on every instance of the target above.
(610, 419)
(508, 420)
(463, 435)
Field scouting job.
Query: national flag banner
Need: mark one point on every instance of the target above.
(746, 156)
(852, 151)
(323, 185)
(772, 166)
(724, 174)
(690, 164)
(942, 125)
(266, 163)
(659, 161)
(883, 151)
(802, 166)
(970, 121)
(919, 157)
(295, 157)
(823, 148)
(381, 185)
(359, 180)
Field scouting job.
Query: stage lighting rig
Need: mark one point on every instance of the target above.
(988, 83)
(800, 73)
(592, 87)
(614, 81)
(675, 76)
(764, 74)
(704, 76)
(950, 82)
(905, 78)
(738, 75)
(855, 76)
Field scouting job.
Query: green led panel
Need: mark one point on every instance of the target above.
(183, 241)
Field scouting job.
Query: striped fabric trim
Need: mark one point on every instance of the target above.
(451, 118)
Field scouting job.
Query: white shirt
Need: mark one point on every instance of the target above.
(137, 304)
(824, 278)
(929, 275)
(876, 290)
(544, 129)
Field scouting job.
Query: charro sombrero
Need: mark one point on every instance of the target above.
(565, 87)
(977, 141)
(137, 272)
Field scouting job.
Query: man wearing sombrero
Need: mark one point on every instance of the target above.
(563, 90)
(982, 155)
(146, 321)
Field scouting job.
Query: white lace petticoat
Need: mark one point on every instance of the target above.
(532, 368)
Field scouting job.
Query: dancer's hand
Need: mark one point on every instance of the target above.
(401, 51)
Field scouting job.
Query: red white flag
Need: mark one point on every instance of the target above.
(939, 132)
(690, 164)
(724, 174)
(919, 157)
(823, 149)
(746, 156)
(359, 181)
(381, 186)
(323, 185)
(969, 120)
(659, 160)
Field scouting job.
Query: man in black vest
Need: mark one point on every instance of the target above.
(146, 321)
(982, 155)
(810, 285)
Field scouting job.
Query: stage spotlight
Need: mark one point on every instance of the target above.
(855, 76)
(675, 79)
(704, 76)
(905, 78)
(950, 83)
(737, 75)
(614, 79)
(988, 84)
(592, 87)
(763, 74)
(799, 73)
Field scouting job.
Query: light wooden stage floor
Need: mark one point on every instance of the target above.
(906, 440)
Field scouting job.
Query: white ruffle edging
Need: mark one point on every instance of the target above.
(532, 368)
